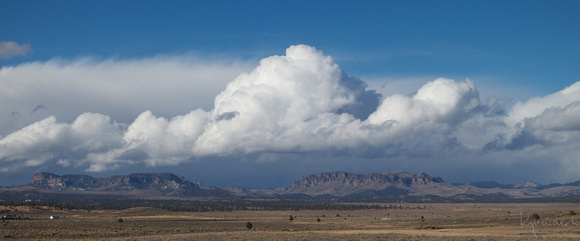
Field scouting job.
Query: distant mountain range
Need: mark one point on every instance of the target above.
(330, 185)
(403, 185)
(138, 184)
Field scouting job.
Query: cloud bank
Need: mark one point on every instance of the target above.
(121, 89)
(299, 103)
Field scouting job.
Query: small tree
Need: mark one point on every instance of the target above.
(535, 216)
(291, 218)
(249, 225)
(120, 220)
(318, 220)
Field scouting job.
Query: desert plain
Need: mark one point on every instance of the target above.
(408, 221)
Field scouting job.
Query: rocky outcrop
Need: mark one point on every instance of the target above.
(398, 179)
(66, 182)
(158, 183)
(343, 184)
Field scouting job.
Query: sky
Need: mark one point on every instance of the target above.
(258, 94)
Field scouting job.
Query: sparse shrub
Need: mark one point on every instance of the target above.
(337, 215)
(120, 220)
(291, 218)
(249, 225)
(535, 216)
(572, 213)
(318, 220)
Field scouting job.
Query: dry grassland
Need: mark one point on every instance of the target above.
(439, 222)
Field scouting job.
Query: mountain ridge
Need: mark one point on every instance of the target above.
(161, 184)
(341, 185)
(344, 183)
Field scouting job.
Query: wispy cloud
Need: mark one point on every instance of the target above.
(9, 49)
(38, 108)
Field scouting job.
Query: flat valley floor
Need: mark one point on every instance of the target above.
(408, 221)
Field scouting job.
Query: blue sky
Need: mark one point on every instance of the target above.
(513, 51)
(522, 42)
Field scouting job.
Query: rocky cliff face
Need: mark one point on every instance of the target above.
(162, 183)
(397, 179)
(66, 182)
(344, 183)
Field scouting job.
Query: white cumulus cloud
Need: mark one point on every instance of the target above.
(298, 103)
(442, 100)
(48, 139)
(548, 120)
(282, 104)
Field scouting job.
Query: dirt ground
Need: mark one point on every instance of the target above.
(442, 221)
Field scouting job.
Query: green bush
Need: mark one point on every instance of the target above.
(120, 220)
(249, 225)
